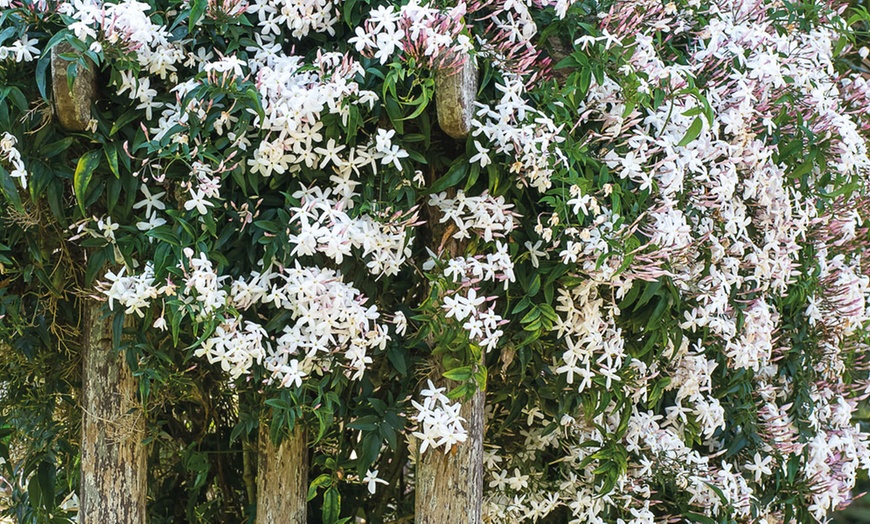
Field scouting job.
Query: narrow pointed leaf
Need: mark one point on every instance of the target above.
(82, 177)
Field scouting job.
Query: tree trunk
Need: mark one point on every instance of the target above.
(282, 478)
(455, 92)
(73, 105)
(450, 485)
(113, 468)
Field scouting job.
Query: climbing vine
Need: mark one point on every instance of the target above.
(649, 251)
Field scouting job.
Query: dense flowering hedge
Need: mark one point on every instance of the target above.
(651, 250)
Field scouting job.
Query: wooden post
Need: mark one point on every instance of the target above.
(113, 464)
(455, 92)
(282, 478)
(114, 482)
(449, 486)
(73, 107)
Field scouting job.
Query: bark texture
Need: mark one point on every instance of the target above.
(449, 486)
(73, 106)
(455, 93)
(282, 478)
(113, 475)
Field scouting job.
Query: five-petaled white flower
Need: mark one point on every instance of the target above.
(372, 480)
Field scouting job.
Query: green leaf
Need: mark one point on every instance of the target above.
(461, 392)
(533, 315)
(421, 102)
(693, 132)
(46, 475)
(389, 434)
(10, 192)
(18, 99)
(55, 148)
(567, 62)
(277, 403)
(82, 177)
(649, 291)
(473, 175)
(366, 423)
(124, 119)
(331, 505)
(368, 451)
(480, 377)
(112, 157)
(165, 234)
(319, 482)
(254, 96)
(42, 73)
(197, 11)
(453, 176)
(534, 326)
(535, 285)
(395, 114)
(324, 420)
(397, 359)
(72, 69)
(6, 33)
(34, 492)
(701, 519)
(459, 374)
(548, 312)
(348, 12)
(657, 313)
(718, 492)
(522, 305)
(117, 329)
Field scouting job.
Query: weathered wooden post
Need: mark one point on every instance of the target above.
(449, 486)
(282, 478)
(113, 463)
(455, 92)
(73, 106)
